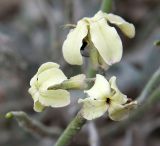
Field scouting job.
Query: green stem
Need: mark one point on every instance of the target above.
(91, 72)
(33, 126)
(151, 85)
(149, 97)
(75, 126)
(136, 115)
(72, 129)
(106, 6)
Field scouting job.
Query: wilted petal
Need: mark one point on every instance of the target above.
(101, 88)
(72, 45)
(127, 28)
(93, 108)
(38, 107)
(106, 40)
(54, 98)
(117, 97)
(119, 112)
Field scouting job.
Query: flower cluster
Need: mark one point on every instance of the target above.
(105, 96)
(48, 75)
(50, 86)
(105, 46)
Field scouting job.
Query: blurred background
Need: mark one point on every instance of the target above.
(32, 32)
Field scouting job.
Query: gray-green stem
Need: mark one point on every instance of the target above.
(137, 114)
(72, 129)
(33, 126)
(77, 123)
(151, 85)
(106, 6)
(149, 96)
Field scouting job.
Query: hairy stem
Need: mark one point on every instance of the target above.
(77, 123)
(151, 85)
(72, 129)
(149, 97)
(33, 126)
(137, 114)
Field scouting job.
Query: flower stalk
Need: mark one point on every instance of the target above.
(32, 126)
(77, 123)
(151, 85)
(106, 5)
(72, 129)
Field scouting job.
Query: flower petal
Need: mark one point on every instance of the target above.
(33, 80)
(99, 15)
(119, 112)
(102, 63)
(78, 78)
(118, 97)
(127, 28)
(38, 107)
(54, 98)
(77, 82)
(113, 84)
(50, 77)
(34, 93)
(101, 88)
(46, 66)
(72, 45)
(107, 41)
(97, 60)
(93, 109)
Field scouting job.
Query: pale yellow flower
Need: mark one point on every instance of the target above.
(105, 96)
(48, 75)
(100, 36)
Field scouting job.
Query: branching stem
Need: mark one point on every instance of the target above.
(33, 126)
